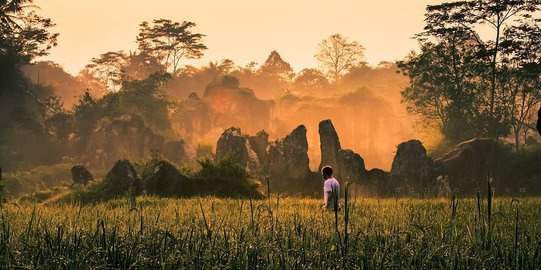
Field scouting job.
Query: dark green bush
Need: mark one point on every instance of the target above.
(224, 177)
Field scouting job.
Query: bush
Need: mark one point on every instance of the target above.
(224, 177)
(21, 183)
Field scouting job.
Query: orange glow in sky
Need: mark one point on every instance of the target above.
(241, 30)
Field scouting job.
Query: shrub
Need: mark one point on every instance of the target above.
(226, 178)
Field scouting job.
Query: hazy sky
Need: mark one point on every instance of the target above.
(241, 30)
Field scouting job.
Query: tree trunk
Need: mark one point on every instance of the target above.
(491, 126)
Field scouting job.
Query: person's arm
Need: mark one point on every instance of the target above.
(326, 199)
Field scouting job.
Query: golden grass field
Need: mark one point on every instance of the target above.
(274, 233)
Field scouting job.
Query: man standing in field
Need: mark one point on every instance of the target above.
(331, 189)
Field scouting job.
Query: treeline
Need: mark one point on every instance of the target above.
(473, 85)
(460, 84)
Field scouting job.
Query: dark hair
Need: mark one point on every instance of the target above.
(327, 170)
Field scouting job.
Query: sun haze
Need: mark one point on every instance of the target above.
(240, 30)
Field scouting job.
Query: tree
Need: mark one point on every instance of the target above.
(311, 79)
(445, 85)
(521, 77)
(170, 42)
(275, 66)
(139, 65)
(86, 114)
(108, 68)
(147, 99)
(10, 11)
(336, 55)
(476, 87)
(226, 66)
(25, 35)
(469, 15)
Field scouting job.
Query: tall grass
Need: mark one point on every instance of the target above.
(274, 233)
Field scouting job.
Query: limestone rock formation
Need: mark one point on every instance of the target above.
(121, 178)
(166, 180)
(348, 165)
(288, 167)
(80, 175)
(259, 144)
(233, 143)
(234, 106)
(412, 168)
(119, 138)
(468, 165)
(179, 152)
(329, 144)
(377, 183)
(196, 120)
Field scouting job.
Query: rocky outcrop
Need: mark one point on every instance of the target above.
(122, 178)
(195, 120)
(288, 167)
(329, 144)
(120, 138)
(166, 180)
(234, 106)
(468, 165)
(237, 145)
(80, 175)
(377, 183)
(179, 152)
(412, 168)
(259, 144)
(348, 165)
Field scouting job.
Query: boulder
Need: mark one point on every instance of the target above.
(121, 178)
(351, 166)
(377, 182)
(288, 167)
(80, 175)
(412, 168)
(166, 180)
(470, 163)
(233, 143)
(347, 165)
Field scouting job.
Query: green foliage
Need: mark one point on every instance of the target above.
(204, 151)
(24, 34)
(470, 86)
(444, 87)
(26, 182)
(23, 37)
(145, 98)
(286, 233)
(146, 168)
(224, 177)
(525, 171)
